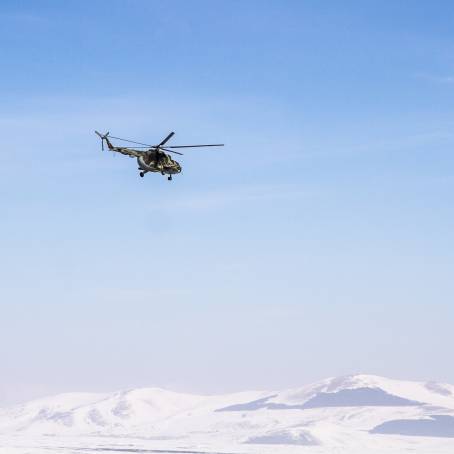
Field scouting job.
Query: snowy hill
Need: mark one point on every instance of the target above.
(346, 412)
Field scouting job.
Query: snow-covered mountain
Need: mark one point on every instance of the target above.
(353, 412)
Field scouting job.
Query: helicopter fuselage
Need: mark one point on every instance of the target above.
(158, 162)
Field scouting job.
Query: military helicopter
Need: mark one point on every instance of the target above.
(153, 158)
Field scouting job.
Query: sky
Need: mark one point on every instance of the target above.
(318, 242)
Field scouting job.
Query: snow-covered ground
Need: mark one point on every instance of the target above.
(353, 414)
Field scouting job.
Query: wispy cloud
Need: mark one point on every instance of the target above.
(438, 79)
(234, 196)
(22, 17)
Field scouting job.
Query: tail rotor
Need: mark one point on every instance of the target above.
(103, 138)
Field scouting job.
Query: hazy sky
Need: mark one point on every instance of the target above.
(318, 242)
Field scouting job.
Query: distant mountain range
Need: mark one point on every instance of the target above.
(355, 411)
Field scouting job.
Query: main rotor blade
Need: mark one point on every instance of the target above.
(130, 141)
(171, 151)
(166, 139)
(155, 147)
(195, 146)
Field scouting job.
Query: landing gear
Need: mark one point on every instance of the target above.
(141, 174)
(169, 177)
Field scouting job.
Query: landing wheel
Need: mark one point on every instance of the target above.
(141, 174)
(169, 177)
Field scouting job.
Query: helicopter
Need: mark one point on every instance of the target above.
(154, 157)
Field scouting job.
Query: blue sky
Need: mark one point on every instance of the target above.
(318, 242)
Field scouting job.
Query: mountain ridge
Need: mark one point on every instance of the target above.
(322, 413)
